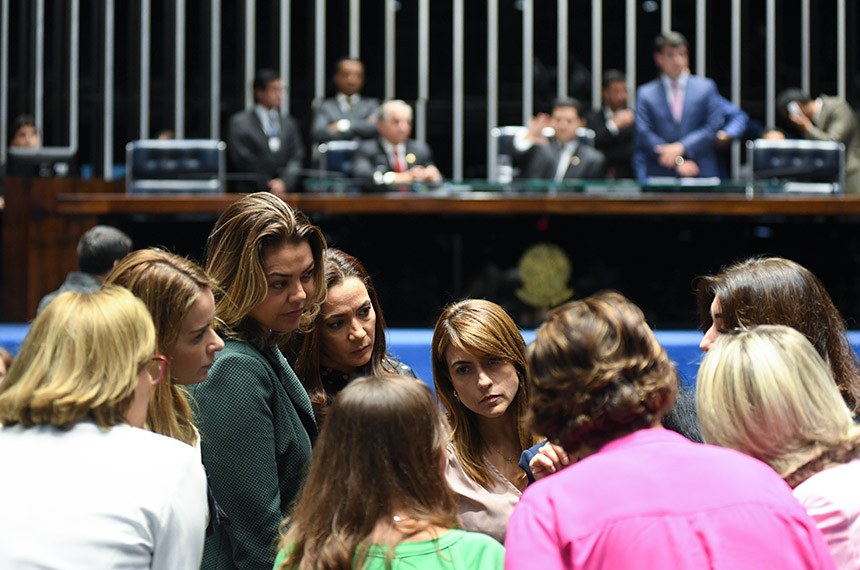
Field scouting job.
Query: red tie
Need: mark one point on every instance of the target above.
(398, 164)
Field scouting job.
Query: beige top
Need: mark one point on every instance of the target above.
(482, 510)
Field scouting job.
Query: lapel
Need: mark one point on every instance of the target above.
(291, 383)
(257, 130)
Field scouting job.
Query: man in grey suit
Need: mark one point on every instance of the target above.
(562, 156)
(826, 119)
(347, 115)
(265, 143)
(394, 158)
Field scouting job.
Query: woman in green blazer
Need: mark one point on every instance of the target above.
(256, 421)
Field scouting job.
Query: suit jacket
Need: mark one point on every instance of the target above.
(370, 157)
(329, 111)
(256, 431)
(616, 147)
(248, 150)
(541, 162)
(836, 121)
(701, 118)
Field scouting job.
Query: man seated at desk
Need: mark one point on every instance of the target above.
(393, 158)
(562, 156)
(264, 143)
(347, 115)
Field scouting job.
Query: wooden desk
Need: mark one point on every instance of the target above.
(44, 218)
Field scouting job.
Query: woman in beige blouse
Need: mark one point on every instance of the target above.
(479, 371)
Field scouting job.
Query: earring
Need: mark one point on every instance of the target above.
(456, 397)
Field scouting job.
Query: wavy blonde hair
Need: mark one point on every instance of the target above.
(79, 360)
(235, 250)
(168, 285)
(768, 393)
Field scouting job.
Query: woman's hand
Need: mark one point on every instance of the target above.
(549, 459)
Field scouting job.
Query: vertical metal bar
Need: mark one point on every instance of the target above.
(528, 60)
(74, 77)
(108, 109)
(355, 29)
(319, 51)
(596, 51)
(250, 43)
(701, 28)
(492, 86)
(38, 109)
(459, 51)
(145, 69)
(286, 57)
(423, 69)
(805, 40)
(389, 48)
(736, 79)
(562, 49)
(841, 90)
(770, 62)
(666, 16)
(179, 70)
(215, 71)
(630, 59)
(4, 78)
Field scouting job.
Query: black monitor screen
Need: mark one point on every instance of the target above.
(45, 162)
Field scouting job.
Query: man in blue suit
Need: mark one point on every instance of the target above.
(678, 116)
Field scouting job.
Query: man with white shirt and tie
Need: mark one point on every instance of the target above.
(562, 156)
(393, 158)
(265, 143)
(347, 115)
(678, 116)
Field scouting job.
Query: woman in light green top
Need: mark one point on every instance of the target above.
(376, 495)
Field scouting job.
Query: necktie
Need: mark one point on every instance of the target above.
(677, 102)
(398, 163)
(274, 123)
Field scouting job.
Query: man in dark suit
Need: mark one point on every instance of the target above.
(265, 143)
(563, 156)
(826, 119)
(613, 126)
(394, 158)
(678, 116)
(347, 115)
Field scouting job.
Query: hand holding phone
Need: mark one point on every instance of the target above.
(794, 108)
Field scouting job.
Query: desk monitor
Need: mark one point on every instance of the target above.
(44, 162)
(799, 165)
(195, 166)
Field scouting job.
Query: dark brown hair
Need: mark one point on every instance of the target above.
(381, 451)
(777, 291)
(339, 266)
(598, 373)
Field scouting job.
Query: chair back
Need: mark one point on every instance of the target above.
(195, 166)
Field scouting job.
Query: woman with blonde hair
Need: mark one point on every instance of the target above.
(768, 393)
(375, 496)
(178, 294)
(777, 291)
(641, 496)
(348, 338)
(70, 410)
(255, 418)
(479, 369)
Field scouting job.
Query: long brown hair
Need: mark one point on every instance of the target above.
(381, 452)
(168, 285)
(339, 266)
(476, 325)
(235, 250)
(777, 291)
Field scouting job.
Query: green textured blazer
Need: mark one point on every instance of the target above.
(257, 427)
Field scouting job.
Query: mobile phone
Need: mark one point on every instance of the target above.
(793, 108)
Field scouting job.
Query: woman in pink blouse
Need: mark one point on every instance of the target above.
(767, 392)
(642, 496)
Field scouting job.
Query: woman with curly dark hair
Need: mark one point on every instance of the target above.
(641, 495)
